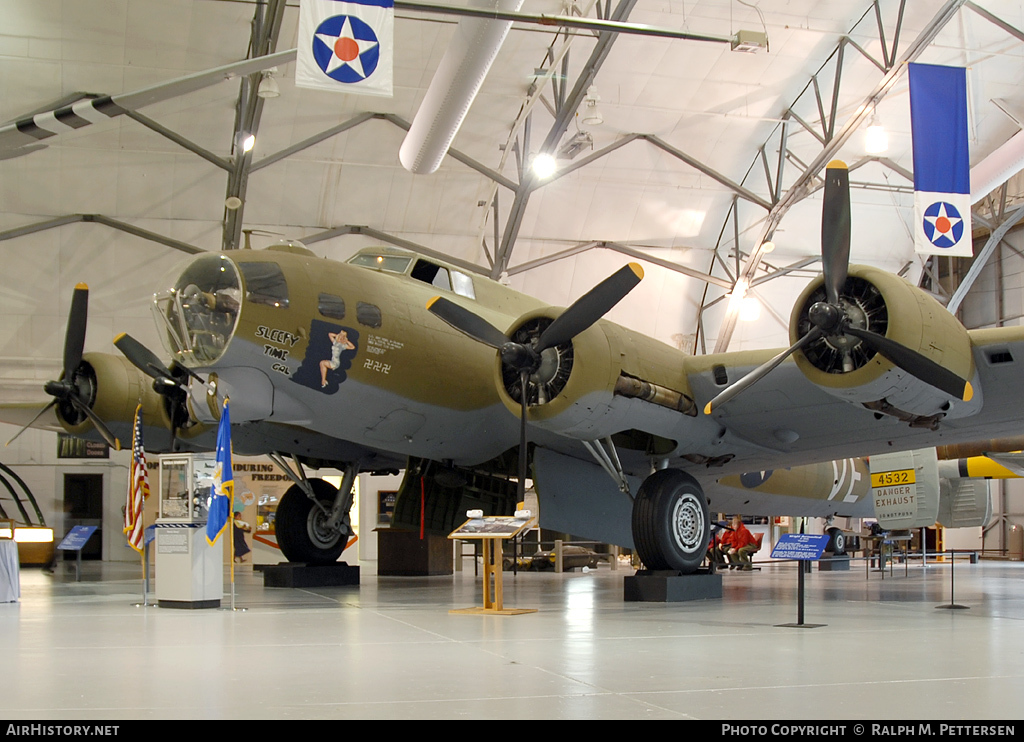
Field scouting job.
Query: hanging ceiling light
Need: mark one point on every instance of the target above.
(591, 113)
(544, 165)
(268, 85)
(876, 141)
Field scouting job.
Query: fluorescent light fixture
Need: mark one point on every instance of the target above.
(544, 165)
(749, 41)
(579, 141)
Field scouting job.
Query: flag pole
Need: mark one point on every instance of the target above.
(231, 547)
(231, 517)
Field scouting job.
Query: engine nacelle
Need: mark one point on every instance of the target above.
(113, 388)
(913, 489)
(572, 391)
(905, 488)
(964, 503)
(888, 305)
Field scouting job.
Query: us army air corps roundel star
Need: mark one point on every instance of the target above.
(346, 46)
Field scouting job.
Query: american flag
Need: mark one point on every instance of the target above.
(138, 487)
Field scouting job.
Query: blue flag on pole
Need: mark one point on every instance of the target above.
(223, 491)
(942, 166)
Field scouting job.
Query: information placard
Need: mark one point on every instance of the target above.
(76, 538)
(803, 546)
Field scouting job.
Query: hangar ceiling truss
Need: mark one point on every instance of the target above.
(784, 170)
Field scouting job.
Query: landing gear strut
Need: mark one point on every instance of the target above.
(312, 521)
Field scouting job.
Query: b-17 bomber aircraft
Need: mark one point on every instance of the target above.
(393, 360)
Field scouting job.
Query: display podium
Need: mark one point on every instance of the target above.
(189, 572)
(492, 530)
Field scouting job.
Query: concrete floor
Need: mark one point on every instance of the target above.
(390, 649)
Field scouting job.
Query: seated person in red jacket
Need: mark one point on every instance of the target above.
(739, 544)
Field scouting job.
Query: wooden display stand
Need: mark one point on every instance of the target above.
(492, 530)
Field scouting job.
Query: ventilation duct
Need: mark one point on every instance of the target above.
(470, 55)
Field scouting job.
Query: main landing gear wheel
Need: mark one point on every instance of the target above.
(301, 527)
(836, 541)
(671, 525)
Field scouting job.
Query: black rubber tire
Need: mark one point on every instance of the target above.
(671, 524)
(836, 541)
(296, 524)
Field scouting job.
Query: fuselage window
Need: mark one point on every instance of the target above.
(368, 314)
(331, 306)
(265, 284)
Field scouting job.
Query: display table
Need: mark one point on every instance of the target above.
(492, 531)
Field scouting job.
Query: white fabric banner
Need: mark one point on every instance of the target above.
(943, 224)
(346, 47)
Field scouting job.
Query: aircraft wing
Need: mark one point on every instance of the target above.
(786, 420)
(22, 413)
(27, 134)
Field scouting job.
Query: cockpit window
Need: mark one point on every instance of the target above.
(265, 284)
(442, 278)
(433, 274)
(201, 311)
(387, 263)
(463, 285)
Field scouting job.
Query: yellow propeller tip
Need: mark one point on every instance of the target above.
(431, 302)
(707, 409)
(968, 391)
(84, 286)
(837, 165)
(118, 338)
(637, 270)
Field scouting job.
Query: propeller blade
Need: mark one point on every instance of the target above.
(74, 335)
(916, 364)
(524, 377)
(41, 413)
(590, 307)
(99, 424)
(467, 322)
(760, 372)
(141, 357)
(835, 229)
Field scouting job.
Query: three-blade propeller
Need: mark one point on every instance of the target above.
(830, 318)
(165, 381)
(525, 358)
(70, 388)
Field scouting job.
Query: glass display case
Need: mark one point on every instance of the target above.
(185, 482)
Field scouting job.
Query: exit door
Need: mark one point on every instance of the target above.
(83, 506)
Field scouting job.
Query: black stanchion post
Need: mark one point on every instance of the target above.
(800, 595)
(952, 585)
